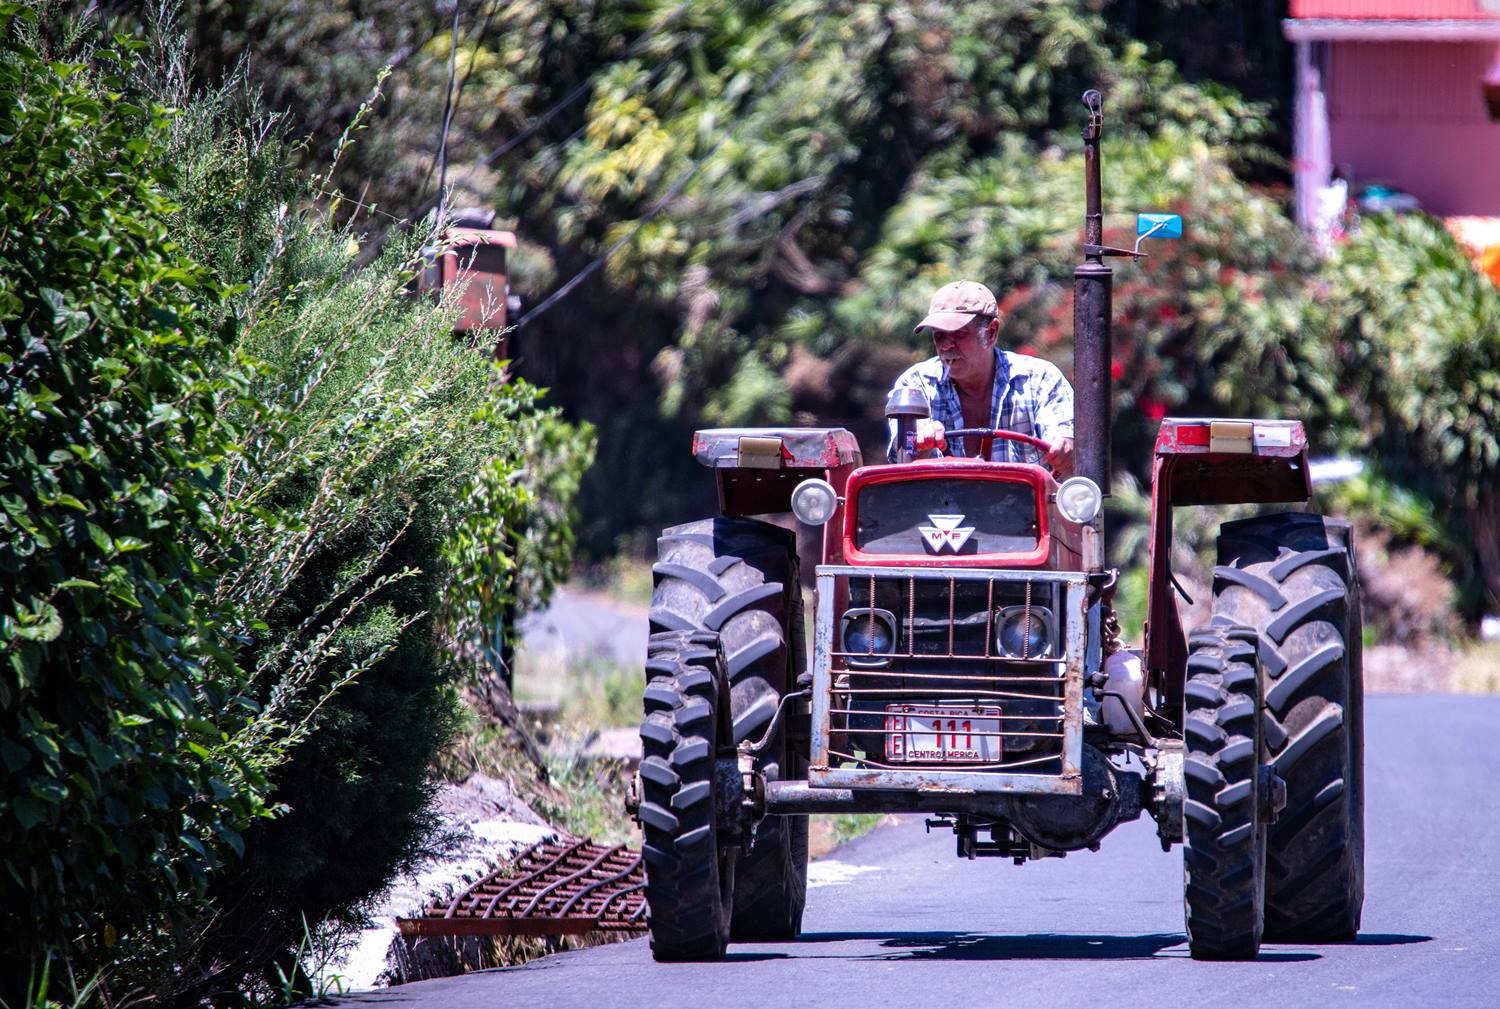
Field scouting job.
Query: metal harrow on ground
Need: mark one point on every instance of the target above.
(563, 887)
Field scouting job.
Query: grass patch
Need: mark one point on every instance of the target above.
(1478, 669)
(584, 794)
(590, 798)
(566, 699)
(571, 697)
(827, 831)
(848, 826)
(481, 746)
(623, 577)
(612, 700)
(583, 691)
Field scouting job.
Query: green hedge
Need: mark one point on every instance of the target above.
(121, 792)
(250, 491)
(388, 480)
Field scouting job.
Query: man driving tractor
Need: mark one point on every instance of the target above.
(971, 382)
(965, 660)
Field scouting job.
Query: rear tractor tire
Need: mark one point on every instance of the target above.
(738, 578)
(1224, 850)
(689, 862)
(1293, 578)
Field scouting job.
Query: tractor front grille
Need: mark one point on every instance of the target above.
(897, 649)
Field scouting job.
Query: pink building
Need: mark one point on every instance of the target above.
(1400, 92)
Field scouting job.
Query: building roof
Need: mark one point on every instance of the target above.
(1393, 21)
(1396, 10)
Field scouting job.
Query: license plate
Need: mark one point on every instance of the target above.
(944, 733)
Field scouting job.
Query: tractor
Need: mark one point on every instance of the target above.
(967, 664)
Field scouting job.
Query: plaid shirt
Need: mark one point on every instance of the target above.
(1031, 396)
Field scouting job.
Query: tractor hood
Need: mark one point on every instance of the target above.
(955, 513)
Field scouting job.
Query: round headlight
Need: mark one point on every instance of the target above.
(814, 501)
(1023, 633)
(1079, 498)
(869, 632)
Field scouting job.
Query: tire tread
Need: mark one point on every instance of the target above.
(1310, 651)
(1224, 843)
(688, 918)
(738, 577)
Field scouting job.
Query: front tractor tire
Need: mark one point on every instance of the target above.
(689, 862)
(1224, 851)
(738, 578)
(1293, 578)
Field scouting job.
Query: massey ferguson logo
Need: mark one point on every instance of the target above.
(945, 533)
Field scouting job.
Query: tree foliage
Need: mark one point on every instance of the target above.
(790, 180)
(1416, 331)
(801, 144)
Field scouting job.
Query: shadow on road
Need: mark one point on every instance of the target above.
(1038, 946)
(1048, 946)
(955, 946)
(1388, 939)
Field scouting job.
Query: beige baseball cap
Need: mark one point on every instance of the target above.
(955, 305)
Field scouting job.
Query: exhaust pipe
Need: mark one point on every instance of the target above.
(1092, 296)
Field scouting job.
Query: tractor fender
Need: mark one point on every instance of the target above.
(757, 468)
(1209, 461)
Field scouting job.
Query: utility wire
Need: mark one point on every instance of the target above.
(463, 82)
(573, 95)
(556, 108)
(448, 111)
(678, 184)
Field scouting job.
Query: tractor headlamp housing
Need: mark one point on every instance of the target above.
(814, 501)
(1079, 499)
(1026, 632)
(868, 636)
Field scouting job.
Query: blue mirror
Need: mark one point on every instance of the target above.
(1158, 226)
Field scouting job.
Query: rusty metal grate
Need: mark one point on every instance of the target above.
(563, 887)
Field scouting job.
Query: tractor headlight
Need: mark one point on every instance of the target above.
(868, 636)
(814, 501)
(1079, 498)
(1026, 632)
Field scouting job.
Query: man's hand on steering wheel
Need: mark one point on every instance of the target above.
(931, 436)
(1060, 458)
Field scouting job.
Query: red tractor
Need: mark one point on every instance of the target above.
(967, 665)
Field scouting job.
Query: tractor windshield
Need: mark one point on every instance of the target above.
(946, 516)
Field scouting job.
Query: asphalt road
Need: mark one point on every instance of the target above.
(910, 926)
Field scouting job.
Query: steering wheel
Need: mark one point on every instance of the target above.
(986, 432)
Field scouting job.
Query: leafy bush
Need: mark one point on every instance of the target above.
(513, 542)
(385, 469)
(1416, 330)
(238, 475)
(123, 793)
